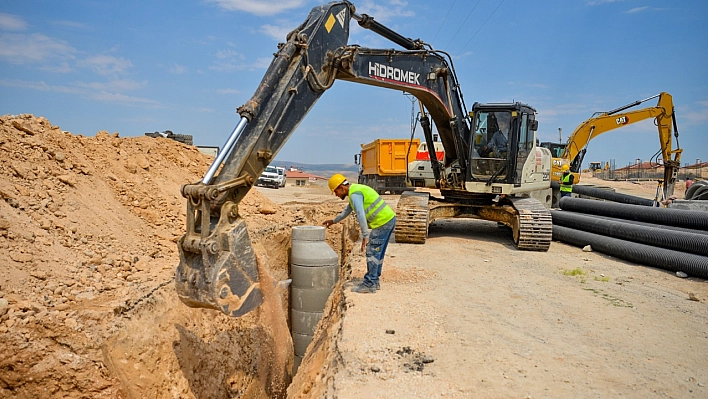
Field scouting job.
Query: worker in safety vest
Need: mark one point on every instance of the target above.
(376, 220)
(566, 181)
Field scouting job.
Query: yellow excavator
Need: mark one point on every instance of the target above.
(573, 151)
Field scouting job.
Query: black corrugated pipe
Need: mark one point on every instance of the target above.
(668, 216)
(606, 194)
(680, 241)
(654, 226)
(698, 191)
(667, 259)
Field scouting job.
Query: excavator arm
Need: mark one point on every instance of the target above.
(217, 263)
(664, 119)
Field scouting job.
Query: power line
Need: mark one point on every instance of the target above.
(443, 21)
(480, 28)
(463, 23)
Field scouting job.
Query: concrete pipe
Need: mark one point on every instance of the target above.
(667, 216)
(667, 259)
(677, 240)
(314, 272)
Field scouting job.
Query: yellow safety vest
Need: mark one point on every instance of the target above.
(565, 185)
(378, 213)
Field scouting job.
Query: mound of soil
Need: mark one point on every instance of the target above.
(88, 232)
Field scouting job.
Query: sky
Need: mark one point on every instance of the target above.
(142, 66)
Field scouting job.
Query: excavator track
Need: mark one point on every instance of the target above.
(412, 218)
(534, 229)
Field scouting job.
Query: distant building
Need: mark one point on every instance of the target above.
(295, 177)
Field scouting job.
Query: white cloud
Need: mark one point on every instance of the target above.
(178, 69)
(93, 91)
(636, 9)
(36, 47)
(259, 7)
(228, 91)
(71, 24)
(383, 12)
(41, 86)
(278, 32)
(63, 67)
(106, 64)
(115, 85)
(124, 99)
(202, 109)
(598, 2)
(11, 22)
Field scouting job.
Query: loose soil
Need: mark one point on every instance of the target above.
(88, 231)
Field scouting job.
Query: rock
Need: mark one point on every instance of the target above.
(142, 265)
(4, 306)
(67, 179)
(59, 156)
(20, 257)
(71, 322)
(427, 359)
(267, 210)
(681, 274)
(142, 162)
(131, 166)
(4, 224)
(587, 248)
(390, 331)
(691, 296)
(375, 369)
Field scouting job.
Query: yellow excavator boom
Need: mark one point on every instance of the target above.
(599, 123)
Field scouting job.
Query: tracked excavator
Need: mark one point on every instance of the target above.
(217, 266)
(573, 152)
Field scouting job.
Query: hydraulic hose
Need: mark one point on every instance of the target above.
(678, 240)
(667, 216)
(667, 259)
(606, 194)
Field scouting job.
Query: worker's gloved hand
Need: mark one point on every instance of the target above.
(328, 223)
(364, 241)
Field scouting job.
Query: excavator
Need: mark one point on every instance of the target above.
(218, 267)
(573, 152)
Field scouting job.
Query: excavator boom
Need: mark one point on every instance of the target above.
(600, 123)
(217, 264)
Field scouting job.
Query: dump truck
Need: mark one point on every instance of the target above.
(383, 164)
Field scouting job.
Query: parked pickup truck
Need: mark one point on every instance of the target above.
(270, 178)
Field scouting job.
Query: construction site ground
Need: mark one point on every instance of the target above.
(88, 231)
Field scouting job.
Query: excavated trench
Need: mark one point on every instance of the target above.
(164, 349)
(88, 308)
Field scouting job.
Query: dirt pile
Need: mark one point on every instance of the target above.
(88, 231)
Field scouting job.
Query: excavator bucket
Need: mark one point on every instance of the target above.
(223, 275)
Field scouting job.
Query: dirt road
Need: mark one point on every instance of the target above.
(468, 316)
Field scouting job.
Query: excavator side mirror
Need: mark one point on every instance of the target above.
(357, 159)
(533, 125)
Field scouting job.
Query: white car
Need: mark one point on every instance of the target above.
(269, 178)
(282, 175)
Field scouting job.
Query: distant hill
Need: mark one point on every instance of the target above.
(318, 168)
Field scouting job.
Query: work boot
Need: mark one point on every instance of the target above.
(378, 286)
(364, 289)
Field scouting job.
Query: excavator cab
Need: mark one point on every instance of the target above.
(503, 140)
